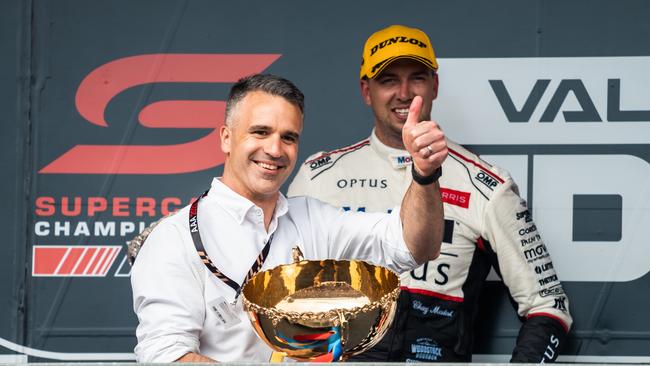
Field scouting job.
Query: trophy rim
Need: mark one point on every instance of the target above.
(275, 314)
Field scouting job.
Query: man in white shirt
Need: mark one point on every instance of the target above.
(243, 215)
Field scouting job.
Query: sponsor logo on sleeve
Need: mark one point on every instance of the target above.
(536, 253)
(320, 162)
(560, 303)
(528, 230)
(547, 280)
(552, 291)
(456, 198)
(532, 239)
(486, 179)
(543, 267)
(524, 215)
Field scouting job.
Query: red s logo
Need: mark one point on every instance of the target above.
(108, 80)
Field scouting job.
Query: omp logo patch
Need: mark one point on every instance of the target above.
(320, 162)
(486, 179)
(73, 261)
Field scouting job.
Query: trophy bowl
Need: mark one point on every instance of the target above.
(324, 310)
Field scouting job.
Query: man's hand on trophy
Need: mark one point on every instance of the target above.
(424, 140)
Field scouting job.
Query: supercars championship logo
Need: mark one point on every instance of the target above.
(116, 219)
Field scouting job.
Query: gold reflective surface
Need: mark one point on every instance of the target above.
(322, 310)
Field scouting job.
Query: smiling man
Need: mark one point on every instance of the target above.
(486, 222)
(186, 279)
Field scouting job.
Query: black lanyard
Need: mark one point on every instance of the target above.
(200, 249)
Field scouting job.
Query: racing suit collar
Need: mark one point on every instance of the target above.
(398, 158)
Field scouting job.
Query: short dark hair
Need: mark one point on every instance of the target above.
(271, 84)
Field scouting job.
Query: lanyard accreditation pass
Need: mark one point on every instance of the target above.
(200, 249)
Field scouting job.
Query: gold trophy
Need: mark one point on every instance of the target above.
(322, 311)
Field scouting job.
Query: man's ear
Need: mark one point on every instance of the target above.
(365, 90)
(226, 138)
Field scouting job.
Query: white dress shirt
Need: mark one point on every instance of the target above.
(171, 299)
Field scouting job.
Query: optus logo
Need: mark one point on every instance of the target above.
(107, 81)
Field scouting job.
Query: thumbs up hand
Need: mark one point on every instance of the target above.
(424, 140)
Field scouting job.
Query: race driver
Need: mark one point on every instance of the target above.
(487, 224)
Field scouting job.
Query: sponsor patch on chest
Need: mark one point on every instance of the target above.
(400, 161)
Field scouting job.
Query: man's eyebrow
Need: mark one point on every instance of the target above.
(423, 72)
(385, 74)
(259, 128)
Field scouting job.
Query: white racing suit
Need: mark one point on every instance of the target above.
(486, 224)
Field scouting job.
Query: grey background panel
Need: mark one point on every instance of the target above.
(14, 150)
(50, 46)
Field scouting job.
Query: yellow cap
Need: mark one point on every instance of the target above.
(392, 43)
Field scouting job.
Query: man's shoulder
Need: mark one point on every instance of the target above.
(465, 165)
(323, 161)
(160, 233)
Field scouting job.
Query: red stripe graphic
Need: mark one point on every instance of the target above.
(68, 263)
(360, 144)
(49, 263)
(92, 265)
(100, 263)
(84, 261)
(73, 261)
(110, 261)
(110, 258)
(431, 293)
(476, 164)
(480, 244)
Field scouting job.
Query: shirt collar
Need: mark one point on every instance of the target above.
(398, 158)
(239, 207)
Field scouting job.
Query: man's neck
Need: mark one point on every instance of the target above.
(268, 208)
(389, 139)
(267, 202)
